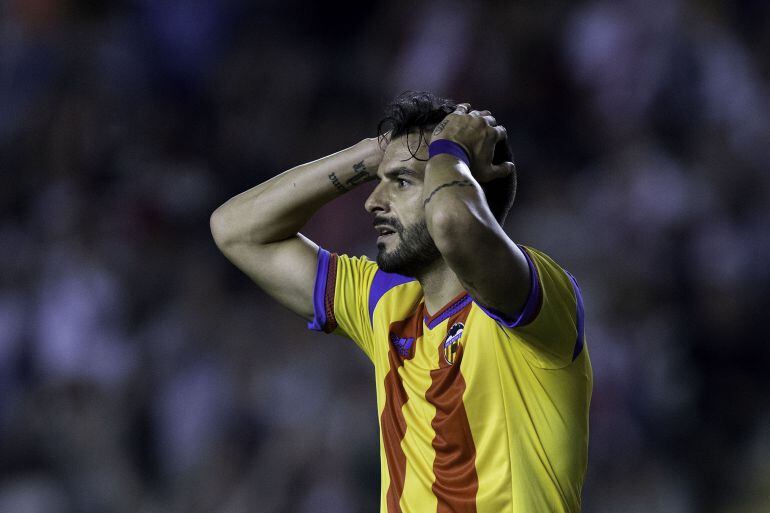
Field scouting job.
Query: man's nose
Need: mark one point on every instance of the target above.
(377, 200)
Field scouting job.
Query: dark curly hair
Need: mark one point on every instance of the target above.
(413, 111)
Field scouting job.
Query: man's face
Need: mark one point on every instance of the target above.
(404, 244)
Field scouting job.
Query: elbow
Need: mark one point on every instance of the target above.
(219, 227)
(228, 228)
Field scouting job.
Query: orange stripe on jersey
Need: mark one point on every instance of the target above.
(454, 467)
(402, 338)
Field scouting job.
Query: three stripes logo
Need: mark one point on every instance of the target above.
(452, 342)
(402, 344)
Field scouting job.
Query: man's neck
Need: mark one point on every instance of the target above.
(439, 286)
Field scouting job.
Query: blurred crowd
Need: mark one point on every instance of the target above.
(141, 372)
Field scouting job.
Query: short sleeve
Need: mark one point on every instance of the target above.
(341, 297)
(551, 323)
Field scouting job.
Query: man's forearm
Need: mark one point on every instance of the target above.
(278, 208)
(452, 197)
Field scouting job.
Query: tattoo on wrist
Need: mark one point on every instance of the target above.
(360, 176)
(336, 181)
(457, 183)
(440, 127)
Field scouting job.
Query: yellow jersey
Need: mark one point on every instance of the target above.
(478, 412)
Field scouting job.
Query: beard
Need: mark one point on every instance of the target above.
(415, 252)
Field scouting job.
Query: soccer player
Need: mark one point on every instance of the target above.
(483, 378)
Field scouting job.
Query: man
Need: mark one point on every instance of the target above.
(483, 378)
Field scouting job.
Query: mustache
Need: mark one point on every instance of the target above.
(391, 223)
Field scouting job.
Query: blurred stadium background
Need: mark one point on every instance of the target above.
(141, 372)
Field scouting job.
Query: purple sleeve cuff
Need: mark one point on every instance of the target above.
(319, 292)
(531, 306)
(579, 318)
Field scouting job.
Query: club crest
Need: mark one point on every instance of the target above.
(452, 342)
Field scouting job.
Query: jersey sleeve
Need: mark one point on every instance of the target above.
(341, 296)
(551, 323)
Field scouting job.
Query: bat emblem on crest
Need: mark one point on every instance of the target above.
(452, 342)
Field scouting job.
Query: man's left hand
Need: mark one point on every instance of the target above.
(478, 133)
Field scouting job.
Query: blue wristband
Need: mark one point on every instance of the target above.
(450, 147)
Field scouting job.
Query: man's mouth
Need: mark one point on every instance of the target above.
(385, 232)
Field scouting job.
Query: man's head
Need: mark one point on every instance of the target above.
(397, 201)
(417, 114)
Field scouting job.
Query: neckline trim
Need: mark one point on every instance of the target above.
(456, 304)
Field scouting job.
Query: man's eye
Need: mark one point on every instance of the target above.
(402, 183)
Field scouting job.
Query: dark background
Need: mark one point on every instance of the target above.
(141, 372)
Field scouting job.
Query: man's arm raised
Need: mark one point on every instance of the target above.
(488, 263)
(258, 230)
